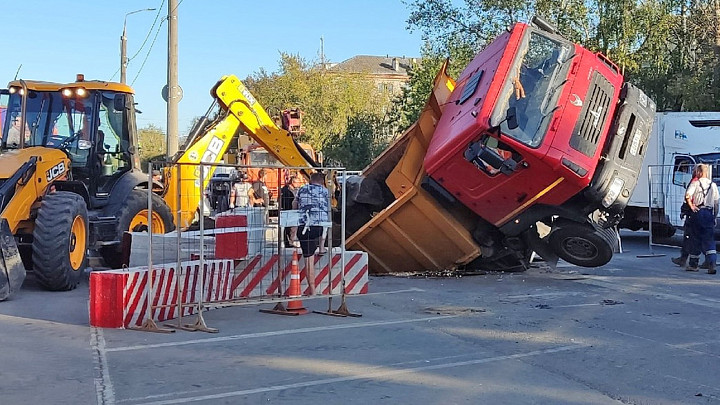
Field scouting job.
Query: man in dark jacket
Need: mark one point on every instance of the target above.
(287, 195)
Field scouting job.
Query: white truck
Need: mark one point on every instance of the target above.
(679, 140)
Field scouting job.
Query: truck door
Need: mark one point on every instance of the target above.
(682, 169)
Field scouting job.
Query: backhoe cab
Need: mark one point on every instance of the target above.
(70, 178)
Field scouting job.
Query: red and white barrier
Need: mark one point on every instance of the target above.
(118, 298)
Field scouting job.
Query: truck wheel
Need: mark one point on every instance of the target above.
(60, 239)
(581, 246)
(132, 217)
(662, 231)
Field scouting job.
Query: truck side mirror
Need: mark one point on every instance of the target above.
(511, 118)
(119, 102)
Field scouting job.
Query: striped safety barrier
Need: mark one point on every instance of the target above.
(118, 298)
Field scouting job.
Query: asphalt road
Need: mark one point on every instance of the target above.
(636, 331)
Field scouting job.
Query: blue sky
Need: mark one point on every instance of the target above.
(54, 40)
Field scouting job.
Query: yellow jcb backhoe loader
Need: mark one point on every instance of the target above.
(70, 177)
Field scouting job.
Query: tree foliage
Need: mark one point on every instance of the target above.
(152, 142)
(670, 48)
(362, 141)
(332, 103)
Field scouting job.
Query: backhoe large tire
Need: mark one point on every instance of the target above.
(584, 247)
(132, 217)
(60, 239)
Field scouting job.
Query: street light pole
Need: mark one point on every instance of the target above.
(123, 45)
(174, 92)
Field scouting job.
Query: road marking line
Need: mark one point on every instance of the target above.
(414, 289)
(678, 347)
(276, 333)
(645, 290)
(685, 345)
(396, 364)
(370, 375)
(576, 305)
(547, 295)
(103, 385)
(695, 383)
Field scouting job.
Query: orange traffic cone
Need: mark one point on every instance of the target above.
(294, 307)
(294, 288)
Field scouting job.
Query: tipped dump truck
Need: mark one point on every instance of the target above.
(535, 148)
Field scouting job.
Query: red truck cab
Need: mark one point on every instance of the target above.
(539, 129)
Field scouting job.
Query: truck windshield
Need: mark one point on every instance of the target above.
(533, 87)
(262, 158)
(712, 159)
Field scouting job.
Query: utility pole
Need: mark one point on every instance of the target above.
(322, 52)
(123, 55)
(123, 46)
(173, 90)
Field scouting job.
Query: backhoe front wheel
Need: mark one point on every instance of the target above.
(133, 217)
(60, 239)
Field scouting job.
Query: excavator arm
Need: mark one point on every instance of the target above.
(237, 99)
(240, 111)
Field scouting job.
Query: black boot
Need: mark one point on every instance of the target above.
(692, 265)
(680, 261)
(711, 268)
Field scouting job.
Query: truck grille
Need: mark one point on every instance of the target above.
(593, 116)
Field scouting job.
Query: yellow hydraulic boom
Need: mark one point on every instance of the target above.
(208, 145)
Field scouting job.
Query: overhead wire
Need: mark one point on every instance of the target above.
(147, 36)
(148, 52)
(154, 39)
(149, 31)
(178, 5)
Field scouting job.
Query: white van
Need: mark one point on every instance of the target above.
(679, 140)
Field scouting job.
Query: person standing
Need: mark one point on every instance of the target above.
(258, 194)
(687, 232)
(239, 193)
(287, 196)
(702, 196)
(313, 200)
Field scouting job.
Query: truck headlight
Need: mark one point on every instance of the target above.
(613, 192)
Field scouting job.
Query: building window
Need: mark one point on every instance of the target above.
(387, 87)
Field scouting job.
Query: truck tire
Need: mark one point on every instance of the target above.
(60, 239)
(581, 246)
(662, 231)
(132, 217)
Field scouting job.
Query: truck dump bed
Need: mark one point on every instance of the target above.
(414, 232)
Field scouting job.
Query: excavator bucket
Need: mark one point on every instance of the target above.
(12, 271)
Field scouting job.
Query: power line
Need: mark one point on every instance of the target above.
(162, 3)
(148, 52)
(176, 7)
(154, 39)
(149, 31)
(114, 74)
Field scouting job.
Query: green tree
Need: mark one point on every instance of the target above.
(670, 48)
(363, 140)
(152, 142)
(331, 102)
